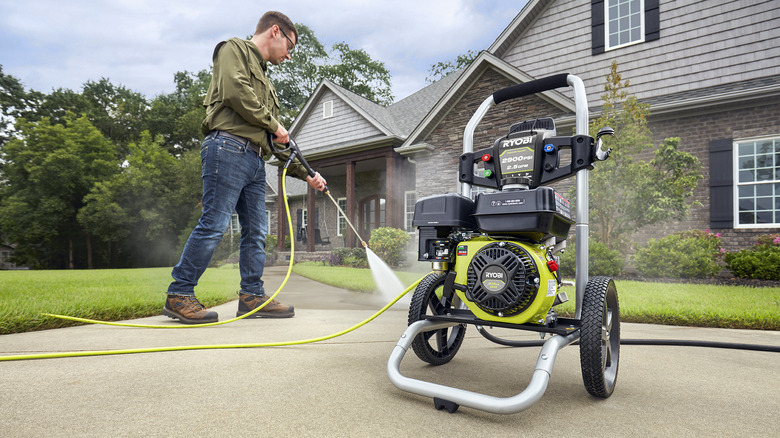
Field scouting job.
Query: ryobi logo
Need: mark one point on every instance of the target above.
(510, 142)
(494, 279)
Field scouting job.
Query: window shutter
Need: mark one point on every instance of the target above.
(597, 26)
(652, 20)
(597, 23)
(721, 184)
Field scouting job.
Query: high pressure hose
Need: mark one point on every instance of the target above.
(662, 342)
(210, 347)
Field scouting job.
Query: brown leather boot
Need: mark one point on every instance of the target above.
(274, 309)
(188, 310)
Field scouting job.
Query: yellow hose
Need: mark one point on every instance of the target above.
(209, 324)
(207, 347)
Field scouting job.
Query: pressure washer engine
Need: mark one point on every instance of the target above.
(494, 255)
(500, 245)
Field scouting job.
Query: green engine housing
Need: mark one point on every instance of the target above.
(504, 281)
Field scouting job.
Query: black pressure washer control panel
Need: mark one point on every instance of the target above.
(530, 155)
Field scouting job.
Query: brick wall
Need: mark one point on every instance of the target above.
(437, 173)
(696, 131)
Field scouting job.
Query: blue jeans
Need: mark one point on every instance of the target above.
(233, 180)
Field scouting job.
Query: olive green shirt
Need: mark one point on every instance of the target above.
(241, 99)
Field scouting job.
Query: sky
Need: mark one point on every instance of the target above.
(141, 44)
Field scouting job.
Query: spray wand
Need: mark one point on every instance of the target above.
(296, 152)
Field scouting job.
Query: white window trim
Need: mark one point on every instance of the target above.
(327, 109)
(736, 183)
(339, 231)
(641, 39)
(407, 225)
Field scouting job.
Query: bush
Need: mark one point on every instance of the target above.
(389, 244)
(687, 254)
(351, 257)
(761, 262)
(602, 260)
(226, 247)
(271, 253)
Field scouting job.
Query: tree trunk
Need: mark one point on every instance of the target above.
(89, 252)
(70, 254)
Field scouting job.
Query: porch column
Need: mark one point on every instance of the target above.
(393, 185)
(311, 223)
(281, 231)
(350, 239)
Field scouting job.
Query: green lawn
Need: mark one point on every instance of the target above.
(658, 303)
(130, 293)
(110, 295)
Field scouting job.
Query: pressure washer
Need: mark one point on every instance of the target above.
(494, 263)
(494, 256)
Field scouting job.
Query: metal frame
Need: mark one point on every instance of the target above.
(546, 360)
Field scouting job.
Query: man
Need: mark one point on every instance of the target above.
(241, 115)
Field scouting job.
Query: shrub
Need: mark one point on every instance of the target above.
(352, 257)
(226, 247)
(271, 253)
(601, 260)
(687, 254)
(389, 244)
(761, 262)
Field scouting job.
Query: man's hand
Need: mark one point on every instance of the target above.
(317, 182)
(281, 135)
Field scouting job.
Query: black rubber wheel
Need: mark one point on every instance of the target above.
(439, 346)
(600, 336)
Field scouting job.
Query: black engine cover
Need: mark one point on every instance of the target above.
(502, 279)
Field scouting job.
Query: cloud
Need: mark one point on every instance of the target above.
(141, 44)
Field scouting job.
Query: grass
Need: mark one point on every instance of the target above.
(120, 294)
(356, 279)
(684, 304)
(109, 295)
(698, 305)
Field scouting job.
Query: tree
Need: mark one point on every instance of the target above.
(626, 191)
(443, 68)
(357, 72)
(48, 170)
(296, 79)
(139, 212)
(15, 102)
(177, 116)
(115, 110)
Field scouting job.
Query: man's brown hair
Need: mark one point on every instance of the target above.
(271, 18)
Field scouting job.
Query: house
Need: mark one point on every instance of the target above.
(6, 251)
(709, 70)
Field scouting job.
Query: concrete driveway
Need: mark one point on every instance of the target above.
(340, 387)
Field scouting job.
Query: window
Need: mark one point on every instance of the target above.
(620, 23)
(327, 109)
(410, 198)
(235, 227)
(372, 214)
(757, 188)
(625, 21)
(340, 219)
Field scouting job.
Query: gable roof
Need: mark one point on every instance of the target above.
(461, 82)
(515, 30)
(393, 122)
